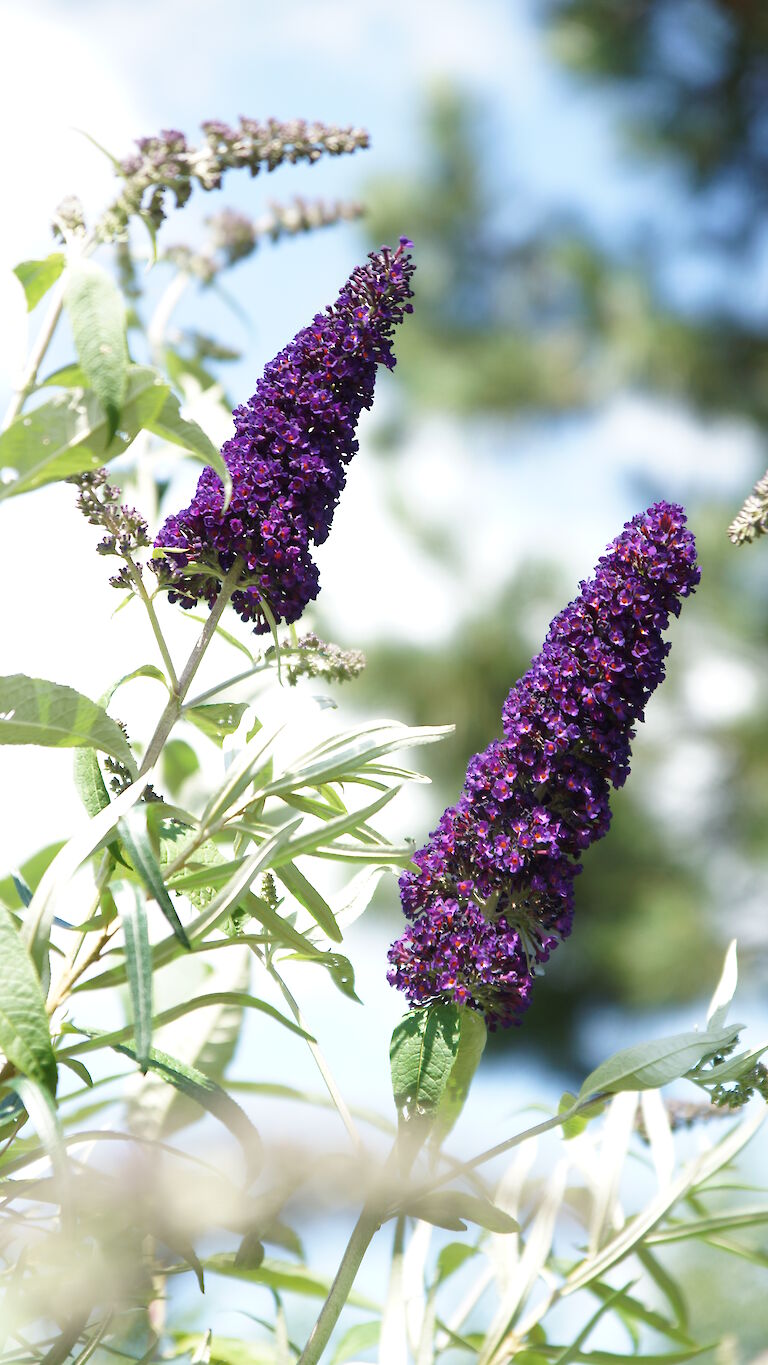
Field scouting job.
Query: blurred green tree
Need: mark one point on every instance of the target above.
(508, 322)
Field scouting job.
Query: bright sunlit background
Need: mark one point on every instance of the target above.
(589, 335)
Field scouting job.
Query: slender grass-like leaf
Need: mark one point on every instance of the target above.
(133, 832)
(633, 1308)
(306, 894)
(208, 1095)
(217, 910)
(37, 923)
(324, 836)
(634, 1234)
(39, 1104)
(138, 961)
(350, 751)
(95, 1041)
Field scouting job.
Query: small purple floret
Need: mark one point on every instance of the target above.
(288, 457)
(493, 894)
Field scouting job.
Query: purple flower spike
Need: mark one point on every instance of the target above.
(292, 443)
(493, 894)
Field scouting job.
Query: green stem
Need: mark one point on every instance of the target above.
(363, 1233)
(153, 621)
(42, 342)
(173, 709)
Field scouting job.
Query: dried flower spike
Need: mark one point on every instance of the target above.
(288, 457)
(493, 893)
(166, 163)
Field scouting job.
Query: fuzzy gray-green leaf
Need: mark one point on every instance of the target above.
(97, 315)
(35, 711)
(24, 1034)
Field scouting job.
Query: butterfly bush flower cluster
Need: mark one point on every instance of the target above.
(493, 891)
(288, 457)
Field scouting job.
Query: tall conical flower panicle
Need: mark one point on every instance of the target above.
(493, 893)
(288, 457)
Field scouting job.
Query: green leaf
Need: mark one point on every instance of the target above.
(31, 871)
(325, 835)
(349, 752)
(647, 1066)
(66, 377)
(218, 720)
(362, 1337)
(575, 1125)
(133, 832)
(450, 1208)
(36, 277)
(179, 762)
(634, 1309)
(40, 1106)
(665, 1284)
(69, 434)
(138, 960)
(310, 898)
(472, 1039)
(240, 999)
(452, 1258)
(208, 1095)
(97, 315)
(34, 711)
(704, 1227)
(181, 431)
(572, 1353)
(89, 782)
(422, 1053)
(24, 1034)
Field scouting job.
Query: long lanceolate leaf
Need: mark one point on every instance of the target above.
(208, 1095)
(41, 1109)
(217, 910)
(37, 923)
(633, 1235)
(97, 316)
(133, 832)
(138, 962)
(35, 711)
(350, 752)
